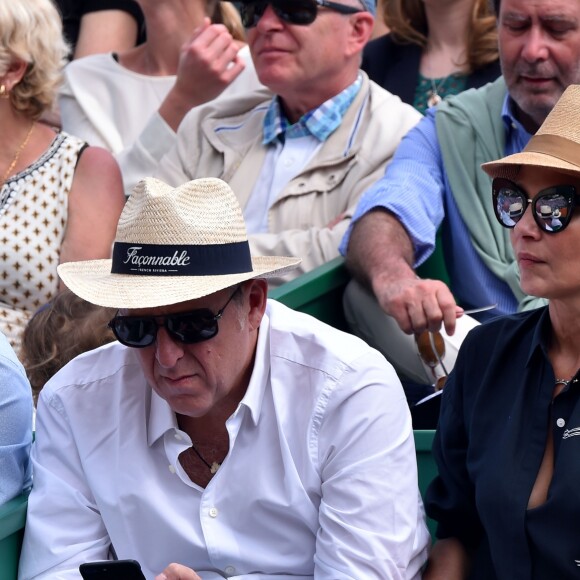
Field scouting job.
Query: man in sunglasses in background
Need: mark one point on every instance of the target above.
(436, 174)
(300, 154)
(224, 432)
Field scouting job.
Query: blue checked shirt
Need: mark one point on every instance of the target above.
(415, 175)
(319, 123)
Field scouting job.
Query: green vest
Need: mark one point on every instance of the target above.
(471, 131)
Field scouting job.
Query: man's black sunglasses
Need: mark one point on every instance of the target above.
(301, 12)
(186, 327)
(552, 208)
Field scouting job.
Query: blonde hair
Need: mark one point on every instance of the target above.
(227, 14)
(31, 31)
(407, 22)
(62, 329)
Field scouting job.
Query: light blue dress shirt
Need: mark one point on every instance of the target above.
(15, 424)
(416, 188)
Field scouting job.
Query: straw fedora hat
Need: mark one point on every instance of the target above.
(173, 245)
(555, 145)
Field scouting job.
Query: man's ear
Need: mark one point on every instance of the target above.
(257, 293)
(361, 29)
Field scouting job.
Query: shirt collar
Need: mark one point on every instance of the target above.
(512, 124)
(319, 123)
(541, 338)
(261, 372)
(161, 418)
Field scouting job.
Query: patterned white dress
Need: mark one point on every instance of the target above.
(33, 218)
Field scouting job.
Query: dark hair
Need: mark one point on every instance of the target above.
(496, 4)
(407, 22)
(60, 330)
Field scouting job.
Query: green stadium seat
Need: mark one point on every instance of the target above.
(426, 466)
(318, 293)
(12, 520)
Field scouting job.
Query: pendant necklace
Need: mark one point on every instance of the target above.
(21, 148)
(213, 467)
(434, 98)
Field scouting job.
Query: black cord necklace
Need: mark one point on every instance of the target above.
(213, 467)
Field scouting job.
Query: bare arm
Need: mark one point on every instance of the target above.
(106, 31)
(208, 63)
(380, 255)
(448, 560)
(95, 204)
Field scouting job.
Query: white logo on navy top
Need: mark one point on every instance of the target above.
(577, 563)
(571, 433)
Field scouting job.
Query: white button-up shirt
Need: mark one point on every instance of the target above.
(320, 480)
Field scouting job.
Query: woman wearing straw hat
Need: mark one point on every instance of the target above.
(223, 432)
(508, 441)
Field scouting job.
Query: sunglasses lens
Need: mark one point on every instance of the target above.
(133, 331)
(553, 209)
(510, 205)
(193, 327)
(299, 12)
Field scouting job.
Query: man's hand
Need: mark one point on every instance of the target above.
(419, 305)
(208, 63)
(177, 572)
(380, 255)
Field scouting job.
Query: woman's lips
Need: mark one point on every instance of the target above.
(525, 259)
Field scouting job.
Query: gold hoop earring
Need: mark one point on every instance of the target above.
(4, 93)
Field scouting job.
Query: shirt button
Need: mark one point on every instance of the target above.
(171, 469)
(230, 570)
(178, 436)
(289, 162)
(213, 512)
(560, 422)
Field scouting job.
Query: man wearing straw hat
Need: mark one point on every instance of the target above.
(299, 154)
(435, 181)
(223, 433)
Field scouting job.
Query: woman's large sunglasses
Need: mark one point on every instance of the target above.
(552, 208)
(186, 327)
(301, 12)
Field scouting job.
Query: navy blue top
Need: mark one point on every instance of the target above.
(495, 414)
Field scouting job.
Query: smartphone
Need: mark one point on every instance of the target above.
(113, 570)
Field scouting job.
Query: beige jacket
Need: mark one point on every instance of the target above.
(225, 140)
